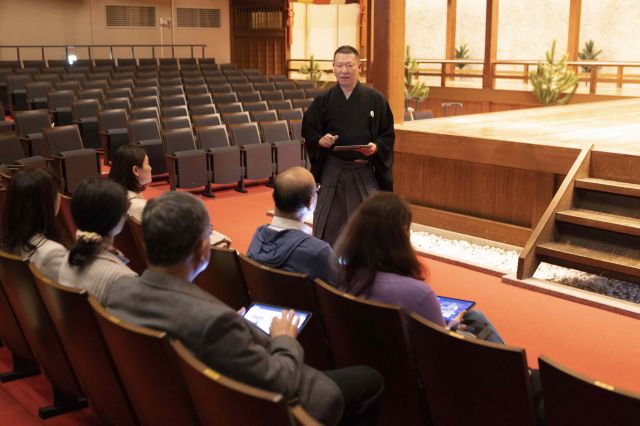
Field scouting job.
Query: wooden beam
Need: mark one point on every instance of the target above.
(450, 40)
(490, 43)
(387, 65)
(573, 40)
(370, 12)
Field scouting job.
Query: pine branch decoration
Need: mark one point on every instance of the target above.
(551, 79)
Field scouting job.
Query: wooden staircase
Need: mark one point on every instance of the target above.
(591, 224)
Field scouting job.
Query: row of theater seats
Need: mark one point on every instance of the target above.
(253, 151)
(432, 375)
(128, 375)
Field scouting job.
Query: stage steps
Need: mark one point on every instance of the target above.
(592, 224)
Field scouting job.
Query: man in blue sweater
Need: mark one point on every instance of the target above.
(287, 242)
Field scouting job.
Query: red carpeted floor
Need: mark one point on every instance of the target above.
(591, 341)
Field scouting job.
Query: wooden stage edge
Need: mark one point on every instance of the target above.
(607, 303)
(495, 175)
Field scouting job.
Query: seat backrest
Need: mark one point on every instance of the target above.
(38, 89)
(242, 87)
(285, 104)
(143, 129)
(176, 123)
(135, 226)
(35, 321)
(146, 112)
(265, 86)
(10, 149)
(146, 101)
(285, 85)
(203, 109)
(302, 103)
(305, 84)
(372, 333)
(218, 86)
(210, 137)
(206, 120)
(313, 93)
(63, 138)
(179, 139)
(96, 84)
(223, 278)
(17, 82)
(447, 358)
(119, 92)
(236, 117)
(290, 114)
(200, 99)
(195, 86)
(220, 400)
(289, 290)
(31, 121)
(275, 131)
(112, 119)
(116, 103)
(272, 95)
(60, 98)
(85, 108)
(174, 111)
(249, 96)
(72, 85)
(148, 369)
(245, 134)
(74, 76)
(294, 94)
(225, 98)
(145, 91)
(173, 100)
(91, 94)
(255, 106)
(296, 129)
(171, 90)
(261, 116)
(78, 330)
(230, 107)
(573, 399)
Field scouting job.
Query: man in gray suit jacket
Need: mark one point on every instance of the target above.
(176, 233)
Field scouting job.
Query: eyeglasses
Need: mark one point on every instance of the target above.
(349, 66)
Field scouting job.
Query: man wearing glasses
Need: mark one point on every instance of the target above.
(348, 132)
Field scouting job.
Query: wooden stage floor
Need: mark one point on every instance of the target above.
(612, 126)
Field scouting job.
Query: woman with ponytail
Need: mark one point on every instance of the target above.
(99, 208)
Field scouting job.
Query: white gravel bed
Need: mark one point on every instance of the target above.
(506, 261)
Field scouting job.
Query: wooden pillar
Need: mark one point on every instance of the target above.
(387, 65)
(450, 39)
(573, 40)
(490, 43)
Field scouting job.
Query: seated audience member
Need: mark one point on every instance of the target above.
(99, 208)
(375, 260)
(175, 228)
(29, 226)
(130, 168)
(287, 242)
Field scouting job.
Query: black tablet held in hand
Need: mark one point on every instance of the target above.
(262, 314)
(451, 307)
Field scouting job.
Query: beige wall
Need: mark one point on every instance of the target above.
(73, 22)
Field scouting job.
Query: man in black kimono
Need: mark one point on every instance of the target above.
(348, 114)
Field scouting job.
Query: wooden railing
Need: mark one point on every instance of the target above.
(91, 47)
(445, 69)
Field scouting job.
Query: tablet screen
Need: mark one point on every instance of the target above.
(451, 307)
(261, 315)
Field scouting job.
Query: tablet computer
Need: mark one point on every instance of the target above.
(451, 307)
(262, 314)
(349, 147)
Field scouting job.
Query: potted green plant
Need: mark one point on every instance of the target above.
(312, 70)
(589, 53)
(413, 88)
(552, 78)
(462, 52)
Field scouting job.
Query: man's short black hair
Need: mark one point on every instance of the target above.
(172, 226)
(346, 50)
(291, 194)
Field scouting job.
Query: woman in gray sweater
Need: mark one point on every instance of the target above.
(99, 208)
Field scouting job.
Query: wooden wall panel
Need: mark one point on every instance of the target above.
(496, 193)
